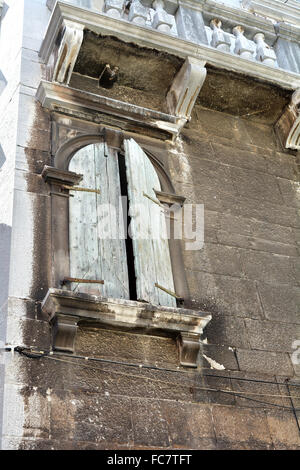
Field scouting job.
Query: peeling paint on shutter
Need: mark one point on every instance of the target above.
(148, 229)
(96, 250)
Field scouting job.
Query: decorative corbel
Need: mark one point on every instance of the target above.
(186, 87)
(189, 348)
(58, 177)
(68, 50)
(288, 125)
(64, 332)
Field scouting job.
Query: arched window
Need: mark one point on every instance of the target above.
(118, 191)
(136, 279)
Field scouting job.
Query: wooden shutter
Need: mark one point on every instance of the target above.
(92, 256)
(151, 255)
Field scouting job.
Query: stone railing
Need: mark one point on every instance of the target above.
(238, 27)
(237, 43)
(189, 24)
(153, 15)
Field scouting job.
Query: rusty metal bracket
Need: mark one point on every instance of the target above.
(77, 188)
(68, 280)
(173, 294)
(164, 209)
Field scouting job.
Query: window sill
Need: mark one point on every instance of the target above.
(66, 309)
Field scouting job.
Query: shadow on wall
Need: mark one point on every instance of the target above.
(5, 238)
(3, 82)
(2, 156)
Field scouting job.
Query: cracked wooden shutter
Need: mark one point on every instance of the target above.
(92, 256)
(151, 255)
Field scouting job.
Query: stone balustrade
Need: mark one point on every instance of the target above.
(233, 31)
(141, 13)
(237, 43)
(156, 17)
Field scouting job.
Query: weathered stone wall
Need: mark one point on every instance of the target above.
(10, 44)
(246, 275)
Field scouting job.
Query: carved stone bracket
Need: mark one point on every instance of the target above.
(60, 177)
(66, 309)
(189, 348)
(288, 125)
(186, 87)
(64, 332)
(72, 37)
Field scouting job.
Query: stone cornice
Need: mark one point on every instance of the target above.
(62, 98)
(146, 37)
(288, 31)
(60, 177)
(281, 11)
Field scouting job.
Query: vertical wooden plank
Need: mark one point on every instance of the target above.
(140, 223)
(84, 252)
(162, 260)
(151, 251)
(112, 248)
(97, 251)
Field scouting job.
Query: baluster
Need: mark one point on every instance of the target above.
(220, 40)
(264, 53)
(138, 14)
(114, 8)
(243, 46)
(162, 21)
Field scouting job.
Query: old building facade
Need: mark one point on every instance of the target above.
(189, 111)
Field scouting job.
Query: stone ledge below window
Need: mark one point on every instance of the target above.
(66, 309)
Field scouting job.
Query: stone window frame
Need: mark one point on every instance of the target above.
(59, 176)
(65, 309)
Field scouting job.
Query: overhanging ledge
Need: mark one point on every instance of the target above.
(66, 309)
(61, 98)
(102, 24)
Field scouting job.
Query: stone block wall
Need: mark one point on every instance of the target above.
(246, 275)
